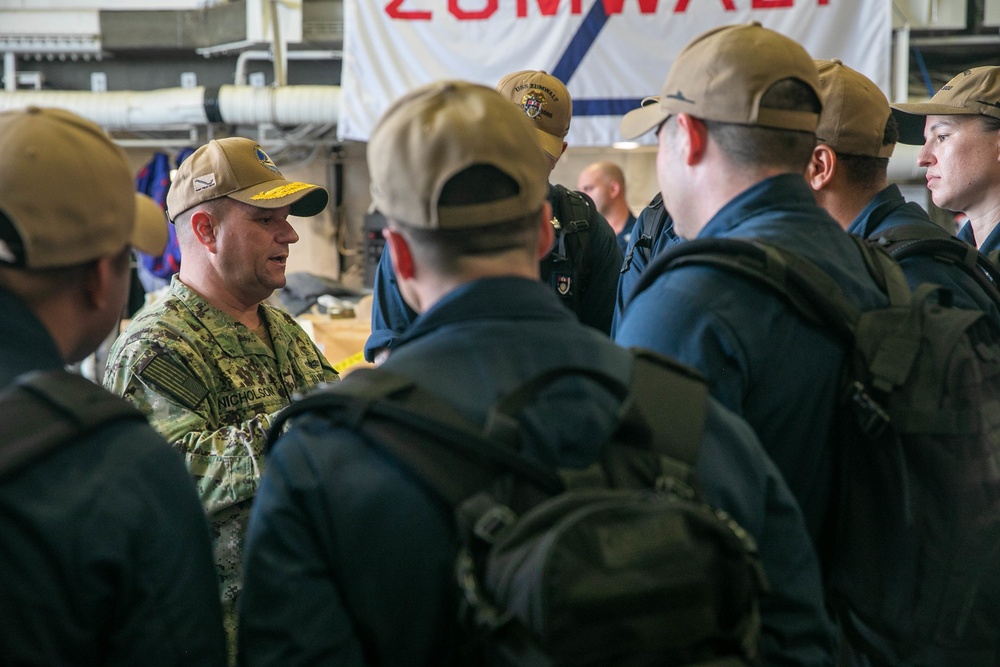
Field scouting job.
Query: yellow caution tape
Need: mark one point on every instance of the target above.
(352, 360)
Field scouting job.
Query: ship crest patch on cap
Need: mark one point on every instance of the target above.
(264, 159)
(533, 104)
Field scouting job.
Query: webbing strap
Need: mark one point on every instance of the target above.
(43, 410)
(663, 411)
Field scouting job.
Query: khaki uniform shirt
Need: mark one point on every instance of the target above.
(211, 387)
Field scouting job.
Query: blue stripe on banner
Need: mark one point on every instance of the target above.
(613, 106)
(581, 43)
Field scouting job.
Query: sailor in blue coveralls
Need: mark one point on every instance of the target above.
(349, 558)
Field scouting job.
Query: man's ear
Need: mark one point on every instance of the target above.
(694, 138)
(614, 189)
(100, 276)
(203, 224)
(821, 168)
(547, 234)
(399, 254)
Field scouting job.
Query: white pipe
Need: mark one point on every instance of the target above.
(241, 60)
(10, 70)
(237, 105)
(280, 63)
(901, 66)
(291, 105)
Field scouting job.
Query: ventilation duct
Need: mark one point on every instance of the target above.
(170, 107)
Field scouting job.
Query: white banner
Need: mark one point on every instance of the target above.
(609, 53)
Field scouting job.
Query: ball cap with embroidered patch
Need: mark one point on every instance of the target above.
(436, 132)
(974, 92)
(66, 193)
(855, 112)
(545, 101)
(722, 74)
(238, 168)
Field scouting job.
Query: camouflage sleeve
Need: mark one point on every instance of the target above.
(171, 384)
(304, 348)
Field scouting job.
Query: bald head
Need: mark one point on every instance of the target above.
(604, 182)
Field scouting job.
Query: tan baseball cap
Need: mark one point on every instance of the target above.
(855, 112)
(238, 168)
(974, 92)
(722, 74)
(66, 193)
(545, 101)
(439, 130)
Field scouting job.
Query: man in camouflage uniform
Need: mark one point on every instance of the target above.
(210, 364)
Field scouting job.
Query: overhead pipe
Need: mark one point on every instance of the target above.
(241, 60)
(280, 62)
(170, 107)
(10, 70)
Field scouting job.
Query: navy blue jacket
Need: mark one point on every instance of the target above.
(889, 209)
(595, 306)
(990, 245)
(106, 555)
(642, 249)
(761, 360)
(626, 233)
(350, 562)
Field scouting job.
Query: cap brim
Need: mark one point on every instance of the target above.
(305, 199)
(550, 143)
(911, 118)
(640, 121)
(149, 235)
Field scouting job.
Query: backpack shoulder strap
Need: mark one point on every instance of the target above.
(576, 208)
(905, 241)
(653, 222)
(888, 338)
(801, 284)
(456, 458)
(44, 410)
(441, 447)
(679, 421)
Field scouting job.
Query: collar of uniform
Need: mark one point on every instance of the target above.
(992, 242)
(27, 344)
(222, 326)
(507, 298)
(784, 192)
(870, 220)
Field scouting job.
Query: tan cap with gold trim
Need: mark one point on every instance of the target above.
(238, 168)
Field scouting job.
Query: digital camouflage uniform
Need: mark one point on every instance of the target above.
(211, 387)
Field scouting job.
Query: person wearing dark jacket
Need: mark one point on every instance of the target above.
(582, 264)
(736, 125)
(849, 176)
(106, 555)
(958, 130)
(350, 559)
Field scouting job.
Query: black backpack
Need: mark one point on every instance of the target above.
(565, 268)
(905, 241)
(44, 410)
(917, 506)
(621, 563)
